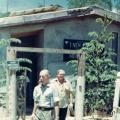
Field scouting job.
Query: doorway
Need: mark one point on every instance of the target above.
(32, 39)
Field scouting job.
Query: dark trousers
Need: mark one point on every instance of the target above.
(62, 113)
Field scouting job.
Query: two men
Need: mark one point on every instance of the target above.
(52, 97)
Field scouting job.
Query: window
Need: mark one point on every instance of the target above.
(115, 46)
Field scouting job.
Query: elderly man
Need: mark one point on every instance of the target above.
(46, 99)
(65, 93)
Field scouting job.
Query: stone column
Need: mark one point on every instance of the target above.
(11, 88)
(80, 89)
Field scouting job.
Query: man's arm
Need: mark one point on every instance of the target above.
(71, 98)
(35, 97)
(56, 110)
(35, 108)
(56, 102)
(69, 93)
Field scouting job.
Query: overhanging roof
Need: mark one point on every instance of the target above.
(57, 15)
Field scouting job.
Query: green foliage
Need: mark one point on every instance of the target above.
(2, 100)
(6, 42)
(21, 78)
(24, 60)
(73, 66)
(22, 68)
(81, 3)
(100, 70)
(4, 14)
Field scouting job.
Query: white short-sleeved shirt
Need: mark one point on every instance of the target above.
(62, 90)
(46, 98)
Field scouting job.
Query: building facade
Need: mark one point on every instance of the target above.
(62, 29)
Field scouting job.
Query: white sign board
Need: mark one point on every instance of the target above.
(13, 65)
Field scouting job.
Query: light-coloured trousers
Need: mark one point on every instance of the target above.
(44, 115)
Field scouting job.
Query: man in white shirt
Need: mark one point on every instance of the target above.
(46, 99)
(65, 93)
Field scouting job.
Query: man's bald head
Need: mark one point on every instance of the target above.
(44, 72)
(60, 75)
(44, 76)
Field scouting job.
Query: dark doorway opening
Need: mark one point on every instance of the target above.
(33, 39)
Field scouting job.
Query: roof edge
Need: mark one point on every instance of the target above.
(56, 15)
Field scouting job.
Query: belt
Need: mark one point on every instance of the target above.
(45, 109)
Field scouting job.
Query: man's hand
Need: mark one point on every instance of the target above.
(71, 108)
(56, 118)
(33, 117)
(71, 105)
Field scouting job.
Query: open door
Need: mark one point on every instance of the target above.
(33, 39)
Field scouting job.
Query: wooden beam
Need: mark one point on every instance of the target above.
(45, 50)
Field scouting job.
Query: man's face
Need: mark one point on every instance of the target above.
(60, 77)
(44, 79)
